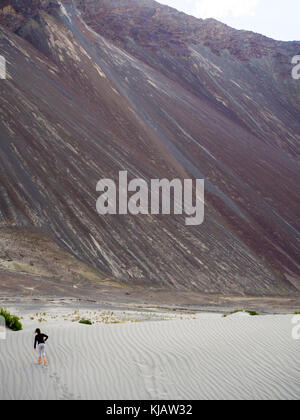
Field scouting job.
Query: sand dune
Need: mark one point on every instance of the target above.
(239, 357)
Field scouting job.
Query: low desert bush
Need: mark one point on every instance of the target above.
(252, 313)
(12, 322)
(85, 321)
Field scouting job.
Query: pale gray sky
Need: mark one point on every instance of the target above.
(278, 19)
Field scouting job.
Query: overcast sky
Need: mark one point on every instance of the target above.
(278, 19)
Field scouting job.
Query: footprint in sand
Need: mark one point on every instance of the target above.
(154, 379)
(64, 390)
(55, 377)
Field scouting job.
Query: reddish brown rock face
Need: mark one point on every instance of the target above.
(155, 26)
(95, 87)
(15, 13)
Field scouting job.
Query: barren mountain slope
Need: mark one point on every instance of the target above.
(95, 87)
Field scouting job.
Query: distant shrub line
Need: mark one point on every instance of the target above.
(252, 313)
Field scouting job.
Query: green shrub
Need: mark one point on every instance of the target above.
(85, 321)
(12, 322)
(297, 313)
(252, 313)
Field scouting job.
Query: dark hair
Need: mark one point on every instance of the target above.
(38, 331)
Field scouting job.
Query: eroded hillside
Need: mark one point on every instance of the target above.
(98, 87)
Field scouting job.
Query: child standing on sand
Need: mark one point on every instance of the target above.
(40, 340)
